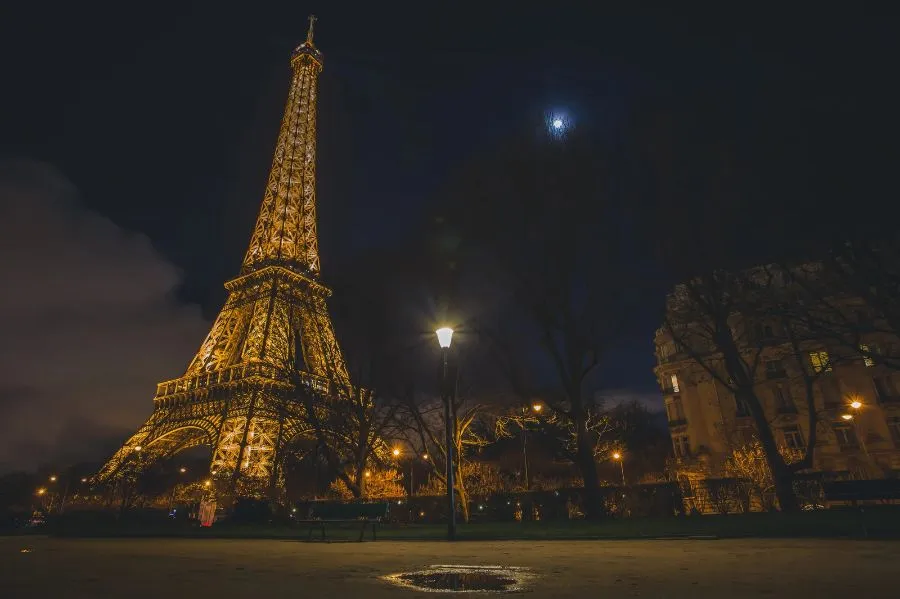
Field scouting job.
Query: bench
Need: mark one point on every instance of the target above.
(853, 491)
(364, 514)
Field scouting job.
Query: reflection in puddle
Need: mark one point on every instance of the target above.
(464, 579)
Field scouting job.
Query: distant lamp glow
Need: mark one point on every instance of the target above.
(182, 469)
(558, 123)
(537, 407)
(52, 478)
(368, 474)
(856, 404)
(396, 452)
(207, 483)
(424, 456)
(84, 480)
(847, 416)
(444, 335)
(138, 448)
(41, 491)
(617, 456)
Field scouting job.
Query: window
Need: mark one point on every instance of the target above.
(665, 350)
(783, 400)
(675, 387)
(831, 392)
(675, 411)
(763, 331)
(884, 388)
(846, 437)
(820, 361)
(793, 437)
(681, 445)
(894, 426)
(867, 354)
(775, 369)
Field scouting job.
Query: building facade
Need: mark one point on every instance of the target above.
(856, 397)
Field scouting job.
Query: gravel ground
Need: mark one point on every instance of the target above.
(172, 568)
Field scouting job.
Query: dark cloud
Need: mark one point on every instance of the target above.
(88, 322)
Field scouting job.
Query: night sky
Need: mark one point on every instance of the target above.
(135, 144)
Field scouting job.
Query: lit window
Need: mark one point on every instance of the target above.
(867, 354)
(820, 361)
(675, 387)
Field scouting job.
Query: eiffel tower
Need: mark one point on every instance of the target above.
(273, 339)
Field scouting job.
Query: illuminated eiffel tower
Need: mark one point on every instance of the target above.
(273, 339)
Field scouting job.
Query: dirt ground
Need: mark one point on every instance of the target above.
(169, 569)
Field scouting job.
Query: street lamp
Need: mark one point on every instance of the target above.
(847, 417)
(445, 335)
(396, 453)
(618, 457)
(856, 404)
(52, 478)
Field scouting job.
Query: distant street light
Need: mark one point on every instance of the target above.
(537, 407)
(52, 478)
(182, 469)
(396, 453)
(138, 448)
(847, 416)
(445, 335)
(856, 404)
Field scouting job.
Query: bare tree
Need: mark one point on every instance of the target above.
(421, 424)
(740, 330)
(560, 286)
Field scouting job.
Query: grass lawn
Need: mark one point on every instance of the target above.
(883, 523)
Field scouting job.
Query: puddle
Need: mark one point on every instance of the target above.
(464, 579)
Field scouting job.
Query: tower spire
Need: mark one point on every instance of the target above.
(309, 32)
(285, 232)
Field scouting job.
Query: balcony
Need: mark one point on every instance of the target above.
(256, 371)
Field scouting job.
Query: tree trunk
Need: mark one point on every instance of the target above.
(463, 499)
(593, 508)
(782, 475)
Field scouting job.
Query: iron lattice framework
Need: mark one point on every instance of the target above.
(273, 339)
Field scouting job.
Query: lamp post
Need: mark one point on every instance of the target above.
(536, 407)
(618, 457)
(444, 335)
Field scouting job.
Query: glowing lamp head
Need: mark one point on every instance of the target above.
(856, 404)
(444, 335)
(617, 456)
(368, 474)
(52, 478)
(847, 416)
(182, 469)
(138, 448)
(558, 123)
(396, 452)
(537, 407)
(424, 456)
(84, 480)
(41, 491)
(207, 483)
